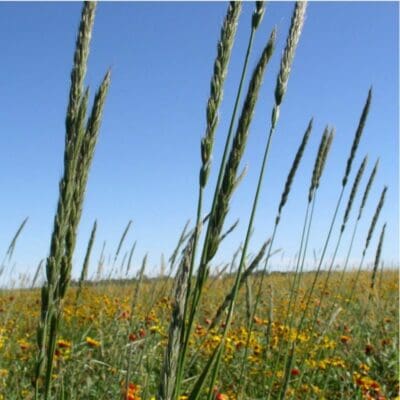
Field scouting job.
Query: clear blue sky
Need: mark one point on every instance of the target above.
(147, 161)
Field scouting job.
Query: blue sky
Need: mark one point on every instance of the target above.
(147, 160)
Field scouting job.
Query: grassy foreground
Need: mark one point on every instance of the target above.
(349, 356)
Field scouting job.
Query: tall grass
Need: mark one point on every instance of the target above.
(158, 330)
(80, 141)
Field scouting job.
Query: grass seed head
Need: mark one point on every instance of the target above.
(357, 136)
(353, 193)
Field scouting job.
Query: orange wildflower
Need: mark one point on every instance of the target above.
(92, 342)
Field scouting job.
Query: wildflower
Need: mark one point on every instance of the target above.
(369, 349)
(345, 339)
(132, 337)
(23, 344)
(92, 342)
(156, 329)
(364, 367)
(3, 372)
(124, 315)
(295, 372)
(63, 344)
(337, 362)
(133, 392)
(218, 395)
(316, 389)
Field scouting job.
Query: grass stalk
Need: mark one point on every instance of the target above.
(280, 90)
(284, 198)
(80, 141)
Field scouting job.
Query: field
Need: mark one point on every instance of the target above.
(325, 328)
(350, 353)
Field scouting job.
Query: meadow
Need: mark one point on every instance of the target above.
(198, 330)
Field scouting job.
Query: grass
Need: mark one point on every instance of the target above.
(243, 333)
(96, 369)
